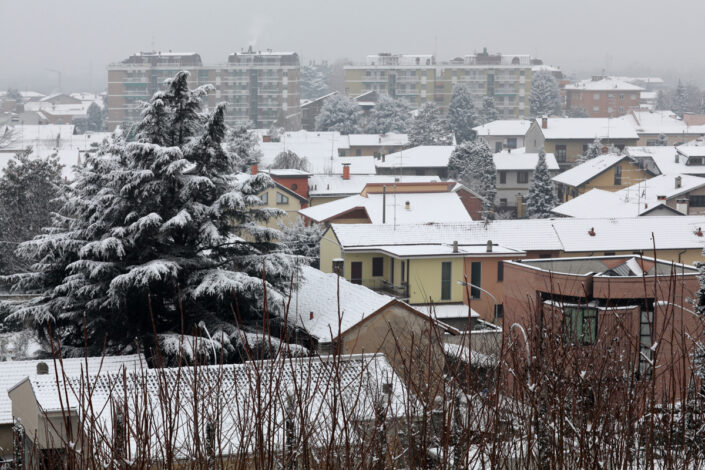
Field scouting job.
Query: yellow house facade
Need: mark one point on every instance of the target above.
(606, 172)
(282, 198)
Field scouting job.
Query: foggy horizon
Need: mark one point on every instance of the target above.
(79, 38)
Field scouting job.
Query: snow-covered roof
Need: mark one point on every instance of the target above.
(12, 372)
(640, 198)
(315, 305)
(371, 140)
(519, 159)
(605, 84)
(335, 185)
(321, 151)
(465, 354)
(360, 380)
(588, 128)
(564, 234)
(504, 127)
(67, 109)
(445, 311)
(586, 171)
(660, 122)
(424, 156)
(436, 250)
(668, 160)
(423, 208)
(286, 172)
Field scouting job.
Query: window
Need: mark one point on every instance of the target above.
(522, 177)
(281, 199)
(621, 96)
(696, 201)
(579, 325)
(609, 253)
(503, 202)
(512, 142)
(617, 175)
(445, 280)
(265, 198)
(595, 109)
(500, 271)
(596, 96)
(377, 267)
(561, 152)
(358, 152)
(403, 272)
(294, 187)
(502, 177)
(475, 279)
(499, 311)
(498, 146)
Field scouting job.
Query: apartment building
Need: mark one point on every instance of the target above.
(258, 86)
(419, 78)
(603, 97)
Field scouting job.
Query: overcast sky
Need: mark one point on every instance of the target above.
(80, 37)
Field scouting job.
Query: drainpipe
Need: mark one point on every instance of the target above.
(679, 256)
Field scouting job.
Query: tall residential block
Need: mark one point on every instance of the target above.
(418, 79)
(261, 87)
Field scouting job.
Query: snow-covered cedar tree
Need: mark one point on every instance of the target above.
(339, 113)
(594, 149)
(158, 233)
(389, 115)
(303, 241)
(545, 97)
(290, 161)
(472, 163)
(429, 127)
(542, 198)
(577, 113)
(462, 116)
(680, 99)
(243, 145)
(29, 188)
(14, 94)
(95, 118)
(488, 112)
(314, 81)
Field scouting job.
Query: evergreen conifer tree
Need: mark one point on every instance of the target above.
(244, 145)
(541, 198)
(545, 98)
(429, 127)
(157, 234)
(489, 112)
(389, 115)
(680, 99)
(462, 115)
(594, 149)
(339, 113)
(472, 163)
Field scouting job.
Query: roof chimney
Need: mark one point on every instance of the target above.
(699, 232)
(346, 171)
(544, 122)
(42, 368)
(455, 246)
(254, 169)
(678, 182)
(407, 205)
(310, 315)
(489, 246)
(591, 232)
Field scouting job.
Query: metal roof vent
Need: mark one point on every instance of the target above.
(42, 368)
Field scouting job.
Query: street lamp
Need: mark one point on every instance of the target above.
(494, 299)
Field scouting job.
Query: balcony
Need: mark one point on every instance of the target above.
(399, 291)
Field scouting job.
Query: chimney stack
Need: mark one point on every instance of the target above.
(42, 368)
(678, 182)
(489, 246)
(310, 315)
(544, 122)
(455, 246)
(254, 169)
(407, 205)
(346, 171)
